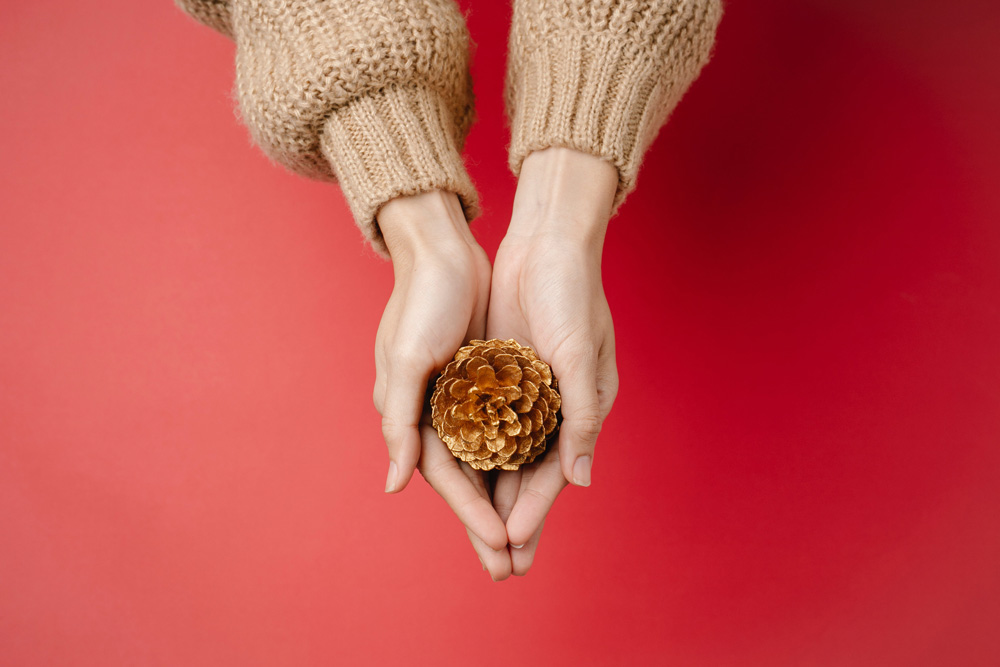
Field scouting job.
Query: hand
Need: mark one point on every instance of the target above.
(438, 303)
(547, 293)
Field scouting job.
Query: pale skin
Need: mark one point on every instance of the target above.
(545, 291)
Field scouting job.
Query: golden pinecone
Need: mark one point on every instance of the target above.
(495, 404)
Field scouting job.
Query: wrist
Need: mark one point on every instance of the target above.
(564, 192)
(424, 225)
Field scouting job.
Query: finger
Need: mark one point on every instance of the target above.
(378, 392)
(477, 325)
(468, 500)
(505, 493)
(389, 321)
(535, 500)
(406, 384)
(497, 563)
(581, 411)
(494, 329)
(522, 559)
(504, 320)
(607, 377)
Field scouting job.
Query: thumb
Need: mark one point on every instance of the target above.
(404, 399)
(581, 420)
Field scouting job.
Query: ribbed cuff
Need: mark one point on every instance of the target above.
(396, 141)
(593, 93)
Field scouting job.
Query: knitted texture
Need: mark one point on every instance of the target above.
(602, 76)
(374, 95)
(213, 13)
(377, 95)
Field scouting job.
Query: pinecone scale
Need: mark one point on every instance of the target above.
(496, 405)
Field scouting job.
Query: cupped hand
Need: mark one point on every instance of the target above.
(438, 303)
(547, 293)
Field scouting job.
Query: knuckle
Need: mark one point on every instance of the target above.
(607, 392)
(432, 471)
(612, 388)
(589, 426)
(390, 429)
(538, 496)
(577, 352)
(463, 508)
(405, 355)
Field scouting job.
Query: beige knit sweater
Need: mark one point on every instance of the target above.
(376, 94)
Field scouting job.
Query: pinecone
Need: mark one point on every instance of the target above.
(495, 404)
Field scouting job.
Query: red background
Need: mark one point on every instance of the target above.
(802, 466)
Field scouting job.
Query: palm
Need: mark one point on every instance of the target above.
(549, 297)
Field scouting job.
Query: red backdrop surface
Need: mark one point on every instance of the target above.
(802, 466)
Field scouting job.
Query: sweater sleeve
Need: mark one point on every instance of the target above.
(376, 96)
(602, 76)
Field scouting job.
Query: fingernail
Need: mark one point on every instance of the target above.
(581, 470)
(516, 546)
(390, 479)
